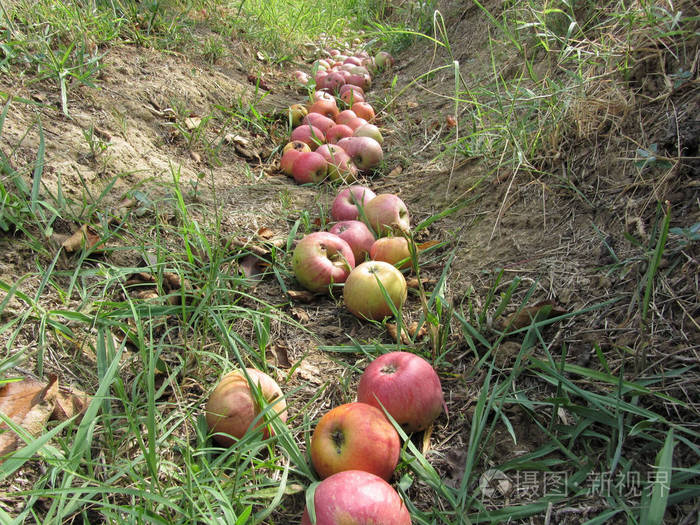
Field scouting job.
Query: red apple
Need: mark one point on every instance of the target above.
(363, 296)
(350, 87)
(393, 250)
(365, 152)
(357, 235)
(355, 61)
(355, 436)
(322, 259)
(309, 166)
(337, 132)
(350, 97)
(363, 110)
(356, 123)
(363, 81)
(327, 107)
(345, 116)
(319, 121)
(406, 385)
(231, 408)
(357, 497)
(301, 78)
(308, 134)
(333, 81)
(288, 159)
(369, 130)
(344, 207)
(386, 213)
(340, 166)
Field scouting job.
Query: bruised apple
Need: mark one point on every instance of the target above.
(355, 436)
(231, 408)
(322, 259)
(363, 295)
(358, 498)
(406, 385)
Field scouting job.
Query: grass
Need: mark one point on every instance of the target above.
(615, 437)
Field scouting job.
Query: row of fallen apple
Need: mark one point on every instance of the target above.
(354, 446)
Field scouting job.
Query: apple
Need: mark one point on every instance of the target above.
(327, 107)
(363, 81)
(386, 213)
(322, 259)
(350, 97)
(309, 134)
(383, 60)
(333, 81)
(407, 386)
(337, 132)
(356, 123)
(322, 95)
(287, 160)
(350, 87)
(357, 235)
(301, 78)
(363, 295)
(355, 61)
(393, 250)
(355, 436)
(345, 204)
(309, 166)
(296, 145)
(231, 408)
(369, 130)
(363, 110)
(340, 166)
(320, 121)
(345, 116)
(357, 497)
(296, 113)
(365, 152)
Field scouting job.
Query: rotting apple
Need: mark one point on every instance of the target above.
(393, 250)
(296, 113)
(357, 497)
(363, 295)
(383, 60)
(365, 152)
(322, 259)
(357, 235)
(407, 386)
(355, 436)
(345, 204)
(363, 110)
(309, 166)
(327, 107)
(386, 213)
(231, 408)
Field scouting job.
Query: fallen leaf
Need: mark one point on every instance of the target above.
(427, 244)
(252, 267)
(280, 355)
(196, 156)
(265, 233)
(250, 246)
(537, 312)
(396, 171)
(427, 433)
(408, 332)
(68, 403)
(413, 282)
(85, 236)
(300, 315)
(450, 121)
(18, 402)
(303, 296)
(192, 122)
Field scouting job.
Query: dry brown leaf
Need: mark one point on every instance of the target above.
(252, 267)
(425, 245)
(410, 331)
(427, 433)
(396, 171)
(303, 296)
(300, 315)
(68, 403)
(265, 233)
(413, 282)
(279, 354)
(196, 156)
(18, 400)
(192, 123)
(539, 312)
(248, 245)
(86, 235)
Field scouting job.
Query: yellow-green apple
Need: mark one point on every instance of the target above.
(365, 152)
(383, 60)
(296, 113)
(231, 409)
(355, 497)
(357, 235)
(355, 436)
(308, 134)
(309, 166)
(345, 204)
(340, 166)
(363, 110)
(327, 107)
(407, 386)
(337, 132)
(345, 116)
(363, 295)
(322, 259)
(296, 145)
(320, 121)
(387, 213)
(393, 250)
(369, 130)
